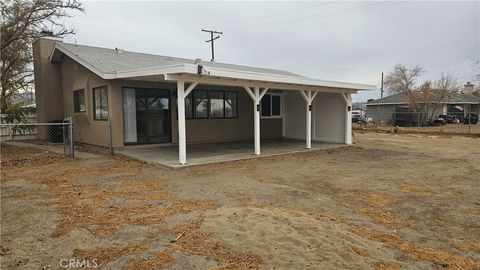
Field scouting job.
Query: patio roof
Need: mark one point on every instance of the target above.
(119, 64)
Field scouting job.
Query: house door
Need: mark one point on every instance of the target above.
(150, 110)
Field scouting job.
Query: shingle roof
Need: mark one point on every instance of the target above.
(401, 98)
(109, 60)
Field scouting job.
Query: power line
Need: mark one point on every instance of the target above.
(248, 21)
(212, 39)
(326, 14)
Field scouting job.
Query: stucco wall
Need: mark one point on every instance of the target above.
(48, 92)
(75, 77)
(198, 130)
(295, 115)
(329, 118)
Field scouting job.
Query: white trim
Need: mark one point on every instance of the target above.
(271, 107)
(182, 144)
(190, 88)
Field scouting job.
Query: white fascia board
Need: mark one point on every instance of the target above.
(177, 68)
(266, 77)
(215, 80)
(77, 59)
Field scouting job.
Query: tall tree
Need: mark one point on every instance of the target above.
(431, 95)
(403, 79)
(23, 21)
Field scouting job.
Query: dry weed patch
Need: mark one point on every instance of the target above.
(386, 266)
(360, 251)
(196, 241)
(440, 258)
(109, 254)
(468, 246)
(161, 260)
(417, 190)
(378, 208)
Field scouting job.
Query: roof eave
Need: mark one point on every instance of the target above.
(233, 74)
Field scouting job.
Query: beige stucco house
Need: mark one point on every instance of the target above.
(152, 99)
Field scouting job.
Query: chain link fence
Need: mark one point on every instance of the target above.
(449, 122)
(55, 133)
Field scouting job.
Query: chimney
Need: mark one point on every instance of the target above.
(468, 88)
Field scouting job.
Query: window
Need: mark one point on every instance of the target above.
(189, 106)
(214, 104)
(79, 100)
(271, 106)
(217, 105)
(201, 104)
(231, 110)
(100, 103)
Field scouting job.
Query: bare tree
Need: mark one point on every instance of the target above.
(442, 89)
(404, 80)
(23, 21)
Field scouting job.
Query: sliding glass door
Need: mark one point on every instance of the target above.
(147, 117)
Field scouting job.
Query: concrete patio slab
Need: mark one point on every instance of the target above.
(219, 152)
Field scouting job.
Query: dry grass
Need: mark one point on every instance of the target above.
(194, 240)
(440, 258)
(468, 246)
(386, 266)
(417, 190)
(378, 208)
(360, 251)
(108, 254)
(163, 259)
(17, 157)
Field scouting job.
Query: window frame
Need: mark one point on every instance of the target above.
(224, 102)
(76, 101)
(271, 106)
(209, 114)
(94, 103)
(194, 98)
(210, 103)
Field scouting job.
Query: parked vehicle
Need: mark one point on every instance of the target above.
(450, 119)
(470, 118)
(357, 115)
(440, 121)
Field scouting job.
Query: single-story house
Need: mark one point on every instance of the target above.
(153, 99)
(396, 110)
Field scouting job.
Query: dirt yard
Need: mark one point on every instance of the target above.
(449, 129)
(389, 202)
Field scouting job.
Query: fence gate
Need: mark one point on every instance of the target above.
(55, 133)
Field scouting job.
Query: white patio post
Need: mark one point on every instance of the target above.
(256, 96)
(256, 121)
(307, 95)
(348, 117)
(182, 144)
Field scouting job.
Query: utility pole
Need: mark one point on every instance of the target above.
(212, 39)
(381, 89)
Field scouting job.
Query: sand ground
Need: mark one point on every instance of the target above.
(389, 202)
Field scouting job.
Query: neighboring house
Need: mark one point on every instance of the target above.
(153, 99)
(395, 109)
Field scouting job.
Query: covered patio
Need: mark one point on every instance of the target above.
(205, 153)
